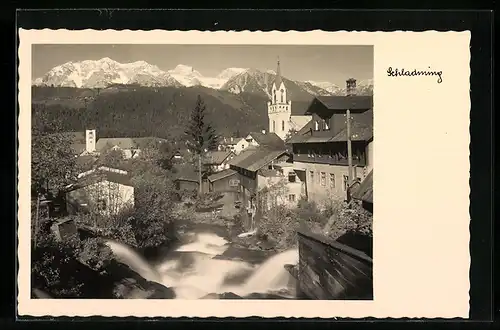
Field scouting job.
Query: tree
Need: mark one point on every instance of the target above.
(111, 157)
(201, 135)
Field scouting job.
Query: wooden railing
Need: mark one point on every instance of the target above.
(326, 159)
(329, 270)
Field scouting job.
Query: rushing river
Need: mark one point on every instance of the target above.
(200, 268)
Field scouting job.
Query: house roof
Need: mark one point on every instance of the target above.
(230, 140)
(255, 159)
(86, 162)
(361, 130)
(78, 148)
(221, 175)
(126, 143)
(216, 157)
(99, 176)
(339, 102)
(269, 140)
(364, 191)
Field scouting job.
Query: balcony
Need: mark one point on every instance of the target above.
(327, 159)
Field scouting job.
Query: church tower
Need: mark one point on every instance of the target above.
(279, 109)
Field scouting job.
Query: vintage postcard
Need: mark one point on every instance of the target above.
(237, 174)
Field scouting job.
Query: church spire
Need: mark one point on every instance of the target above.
(277, 82)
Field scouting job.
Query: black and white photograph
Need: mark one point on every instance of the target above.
(231, 174)
(202, 171)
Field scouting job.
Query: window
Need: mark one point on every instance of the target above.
(323, 179)
(327, 128)
(316, 125)
(274, 126)
(282, 96)
(283, 125)
(274, 93)
(292, 177)
(312, 176)
(332, 180)
(291, 198)
(346, 182)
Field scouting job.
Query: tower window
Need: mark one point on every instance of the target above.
(316, 126)
(283, 125)
(274, 126)
(282, 93)
(275, 98)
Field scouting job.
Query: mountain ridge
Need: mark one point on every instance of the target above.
(106, 72)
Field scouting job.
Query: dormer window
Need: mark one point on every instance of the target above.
(316, 125)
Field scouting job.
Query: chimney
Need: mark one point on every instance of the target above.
(351, 87)
(263, 131)
(90, 139)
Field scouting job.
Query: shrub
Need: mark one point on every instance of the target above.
(351, 218)
(279, 226)
(95, 254)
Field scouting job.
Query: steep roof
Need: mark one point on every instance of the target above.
(99, 176)
(339, 102)
(216, 157)
(221, 175)
(78, 148)
(364, 191)
(268, 140)
(230, 140)
(278, 79)
(255, 159)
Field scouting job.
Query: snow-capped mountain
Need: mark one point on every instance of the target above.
(106, 72)
(328, 86)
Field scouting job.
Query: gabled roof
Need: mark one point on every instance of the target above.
(221, 175)
(268, 140)
(78, 148)
(342, 103)
(216, 157)
(99, 176)
(364, 191)
(253, 160)
(126, 143)
(230, 140)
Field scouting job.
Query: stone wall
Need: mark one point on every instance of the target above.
(329, 270)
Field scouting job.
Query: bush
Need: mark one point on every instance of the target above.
(279, 226)
(63, 268)
(351, 218)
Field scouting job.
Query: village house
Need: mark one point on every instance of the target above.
(320, 149)
(233, 144)
(282, 119)
(103, 191)
(216, 161)
(256, 171)
(265, 139)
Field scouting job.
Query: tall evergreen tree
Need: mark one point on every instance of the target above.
(201, 135)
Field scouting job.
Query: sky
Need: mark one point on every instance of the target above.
(332, 63)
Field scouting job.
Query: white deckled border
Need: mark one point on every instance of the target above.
(421, 224)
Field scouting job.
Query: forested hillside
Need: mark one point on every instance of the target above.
(145, 111)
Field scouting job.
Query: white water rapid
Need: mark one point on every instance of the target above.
(193, 271)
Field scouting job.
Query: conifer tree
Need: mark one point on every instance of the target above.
(201, 135)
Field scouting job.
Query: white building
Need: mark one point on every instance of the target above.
(279, 110)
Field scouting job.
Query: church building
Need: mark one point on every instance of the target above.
(279, 109)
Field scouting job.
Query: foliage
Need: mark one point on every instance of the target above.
(143, 111)
(57, 266)
(53, 162)
(111, 158)
(95, 254)
(279, 226)
(351, 218)
(200, 135)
